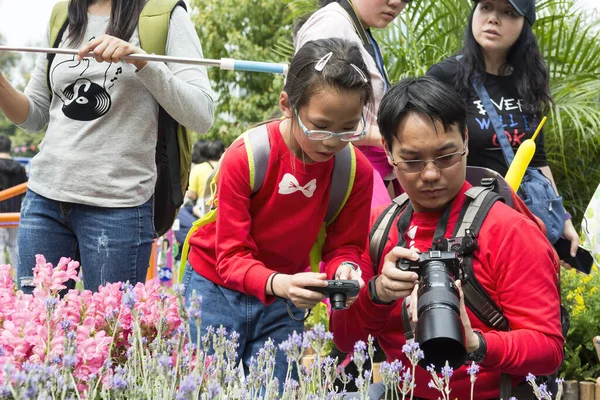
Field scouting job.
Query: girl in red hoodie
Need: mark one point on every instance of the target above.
(249, 265)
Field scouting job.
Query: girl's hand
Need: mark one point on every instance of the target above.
(293, 287)
(346, 272)
(111, 49)
(571, 235)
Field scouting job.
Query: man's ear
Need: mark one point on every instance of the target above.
(388, 152)
(467, 141)
(284, 104)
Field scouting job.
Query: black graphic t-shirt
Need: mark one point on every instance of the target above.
(519, 124)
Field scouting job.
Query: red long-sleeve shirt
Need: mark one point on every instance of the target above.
(274, 229)
(518, 269)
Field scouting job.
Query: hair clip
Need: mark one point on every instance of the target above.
(323, 61)
(362, 74)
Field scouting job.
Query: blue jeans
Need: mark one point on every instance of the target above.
(248, 316)
(112, 244)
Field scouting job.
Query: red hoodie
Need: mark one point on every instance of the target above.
(274, 230)
(519, 270)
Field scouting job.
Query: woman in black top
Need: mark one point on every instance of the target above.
(501, 49)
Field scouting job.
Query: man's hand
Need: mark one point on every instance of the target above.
(111, 49)
(471, 339)
(346, 272)
(393, 283)
(293, 287)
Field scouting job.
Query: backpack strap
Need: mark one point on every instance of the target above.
(153, 24)
(342, 181)
(58, 26)
(481, 200)
(381, 229)
(258, 149)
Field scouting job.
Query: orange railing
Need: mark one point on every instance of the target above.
(11, 220)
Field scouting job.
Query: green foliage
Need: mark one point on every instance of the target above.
(243, 30)
(580, 296)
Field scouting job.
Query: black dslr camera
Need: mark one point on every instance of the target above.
(439, 329)
(338, 291)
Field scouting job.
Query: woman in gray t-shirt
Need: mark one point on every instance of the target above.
(90, 194)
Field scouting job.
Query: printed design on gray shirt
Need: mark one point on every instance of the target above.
(84, 100)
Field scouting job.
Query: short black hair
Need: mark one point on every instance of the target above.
(198, 156)
(424, 95)
(5, 144)
(214, 149)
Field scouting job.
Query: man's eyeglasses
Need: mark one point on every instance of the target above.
(349, 136)
(441, 162)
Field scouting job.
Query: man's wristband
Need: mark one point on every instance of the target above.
(568, 216)
(373, 293)
(479, 354)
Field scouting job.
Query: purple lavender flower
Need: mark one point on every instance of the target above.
(473, 370)
(194, 312)
(544, 392)
(413, 352)
(50, 303)
(447, 372)
(129, 299)
(69, 361)
(530, 378)
(65, 324)
(360, 346)
(178, 289)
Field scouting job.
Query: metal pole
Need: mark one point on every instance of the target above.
(223, 63)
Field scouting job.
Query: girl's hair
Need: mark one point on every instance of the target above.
(340, 72)
(529, 71)
(124, 17)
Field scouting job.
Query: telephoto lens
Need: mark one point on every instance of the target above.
(439, 329)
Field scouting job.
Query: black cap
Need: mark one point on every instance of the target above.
(525, 8)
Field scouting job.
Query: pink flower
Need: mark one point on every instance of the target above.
(47, 278)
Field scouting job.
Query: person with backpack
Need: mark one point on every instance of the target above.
(12, 173)
(511, 264)
(91, 193)
(275, 188)
(212, 151)
(502, 74)
(353, 20)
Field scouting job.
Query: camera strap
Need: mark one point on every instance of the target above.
(440, 231)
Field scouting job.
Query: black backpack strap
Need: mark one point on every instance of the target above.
(481, 200)
(381, 229)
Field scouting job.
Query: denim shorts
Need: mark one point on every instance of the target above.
(112, 244)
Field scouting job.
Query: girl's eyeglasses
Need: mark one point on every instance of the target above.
(441, 162)
(349, 136)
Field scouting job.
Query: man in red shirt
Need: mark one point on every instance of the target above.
(423, 124)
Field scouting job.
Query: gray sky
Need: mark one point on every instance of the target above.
(23, 22)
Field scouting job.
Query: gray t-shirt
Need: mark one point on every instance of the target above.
(99, 148)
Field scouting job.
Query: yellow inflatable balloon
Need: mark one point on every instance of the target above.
(525, 153)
